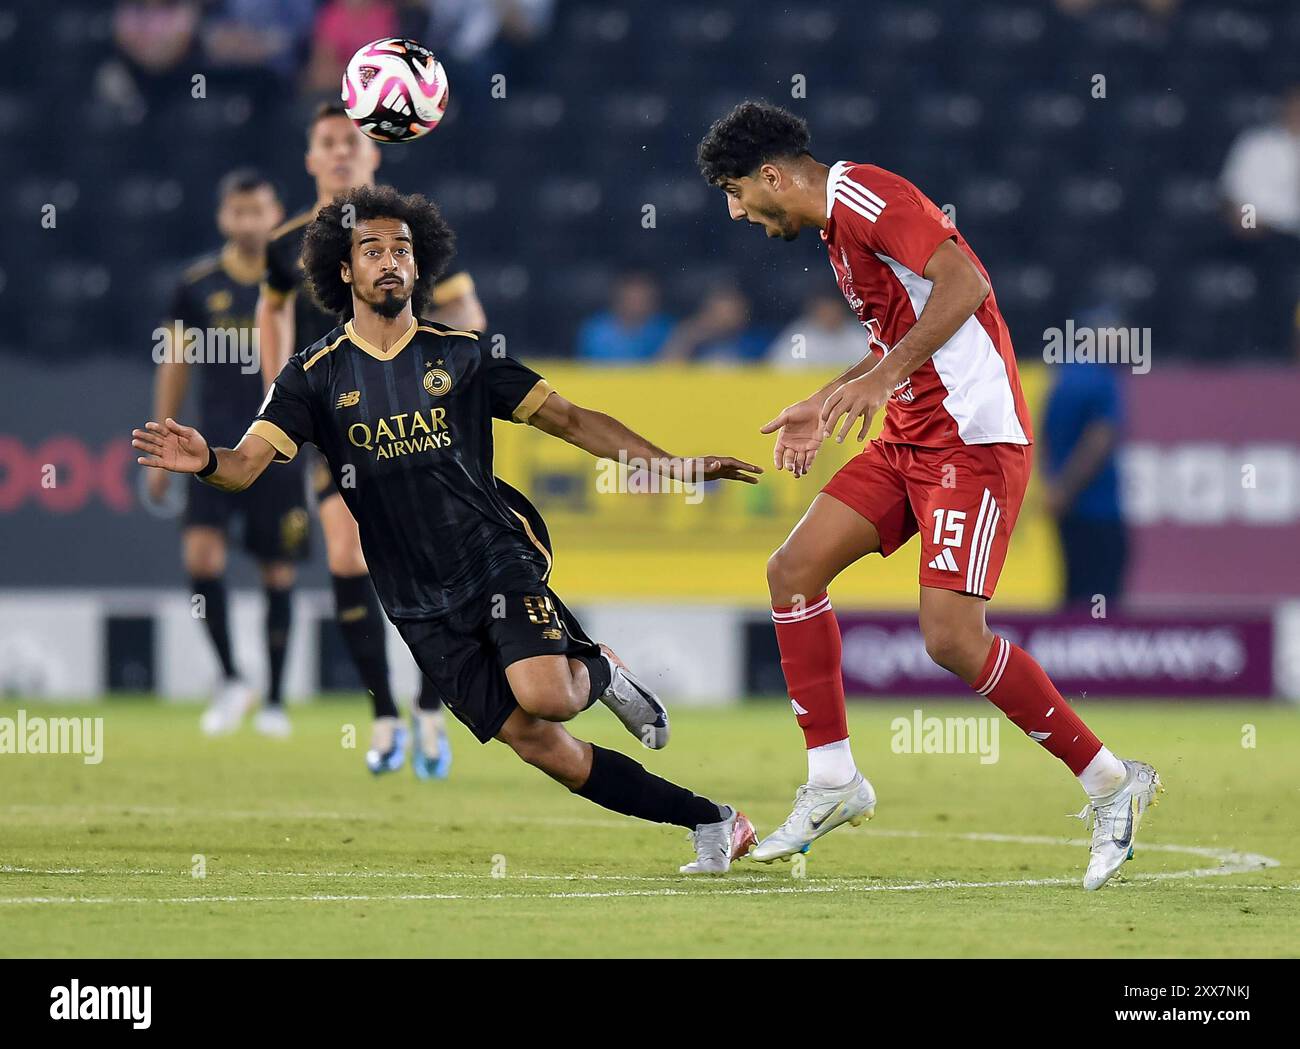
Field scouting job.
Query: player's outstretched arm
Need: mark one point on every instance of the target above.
(182, 449)
(957, 289)
(607, 438)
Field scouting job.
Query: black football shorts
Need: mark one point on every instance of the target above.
(465, 656)
(271, 514)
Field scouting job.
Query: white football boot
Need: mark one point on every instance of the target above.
(817, 811)
(633, 704)
(1115, 820)
(232, 701)
(273, 722)
(718, 845)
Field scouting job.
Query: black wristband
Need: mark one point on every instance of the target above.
(210, 467)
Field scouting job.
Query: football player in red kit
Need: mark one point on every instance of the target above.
(951, 464)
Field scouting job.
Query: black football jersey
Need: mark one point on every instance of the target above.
(284, 276)
(407, 434)
(214, 304)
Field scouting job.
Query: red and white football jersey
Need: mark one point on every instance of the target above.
(880, 233)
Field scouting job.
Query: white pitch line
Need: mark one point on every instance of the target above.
(1232, 862)
(1238, 861)
(812, 889)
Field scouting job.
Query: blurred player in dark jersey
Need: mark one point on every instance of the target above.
(210, 339)
(406, 407)
(340, 158)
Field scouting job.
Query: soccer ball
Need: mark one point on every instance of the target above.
(395, 90)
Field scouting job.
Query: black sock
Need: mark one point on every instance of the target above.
(357, 610)
(279, 613)
(619, 783)
(600, 674)
(428, 700)
(213, 593)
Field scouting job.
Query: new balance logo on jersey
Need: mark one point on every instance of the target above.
(945, 562)
(349, 400)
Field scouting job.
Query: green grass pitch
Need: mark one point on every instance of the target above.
(305, 854)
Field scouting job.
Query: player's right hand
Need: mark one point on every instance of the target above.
(170, 446)
(800, 438)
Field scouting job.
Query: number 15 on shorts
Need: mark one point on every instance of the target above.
(949, 527)
(949, 531)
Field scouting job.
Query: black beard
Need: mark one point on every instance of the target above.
(390, 305)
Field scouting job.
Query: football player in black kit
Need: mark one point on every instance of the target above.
(405, 408)
(339, 157)
(209, 336)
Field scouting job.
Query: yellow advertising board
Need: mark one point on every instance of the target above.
(706, 546)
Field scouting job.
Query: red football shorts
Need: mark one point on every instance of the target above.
(963, 500)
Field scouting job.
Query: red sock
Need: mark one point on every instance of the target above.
(809, 639)
(1021, 689)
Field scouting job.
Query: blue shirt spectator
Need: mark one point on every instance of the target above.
(632, 329)
(1083, 396)
(718, 332)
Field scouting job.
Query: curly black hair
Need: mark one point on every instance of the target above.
(328, 242)
(749, 136)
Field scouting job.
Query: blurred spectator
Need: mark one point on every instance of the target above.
(826, 334)
(155, 35)
(1079, 8)
(1078, 441)
(1263, 170)
(341, 27)
(153, 38)
(473, 28)
(719, 331)
(259, 34)
(632, 329)
(481, 39)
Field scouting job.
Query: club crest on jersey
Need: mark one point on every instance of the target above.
(437, 382)
(846, 285)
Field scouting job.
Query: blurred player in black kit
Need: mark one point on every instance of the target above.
(406, 408)
(339, 157)
(210, 335)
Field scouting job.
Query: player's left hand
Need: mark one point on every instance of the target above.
(721, 468)
(857, 398)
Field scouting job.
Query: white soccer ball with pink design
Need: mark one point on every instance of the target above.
(395, 90)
